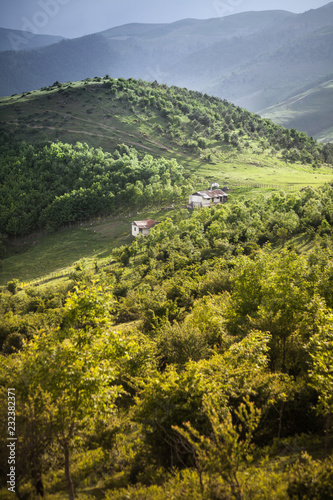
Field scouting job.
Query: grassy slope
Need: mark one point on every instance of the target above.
(50, 257)
(89, 113)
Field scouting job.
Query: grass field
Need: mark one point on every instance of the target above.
(53, 256)
(87, 112)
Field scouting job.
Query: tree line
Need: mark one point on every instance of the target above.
(49, 186)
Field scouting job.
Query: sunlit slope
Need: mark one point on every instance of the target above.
(208, 136)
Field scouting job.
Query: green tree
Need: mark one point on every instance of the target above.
(68, 376)
(229, 443)
(320, 349)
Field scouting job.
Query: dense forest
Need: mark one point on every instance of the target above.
(195, 364)
(49, 186)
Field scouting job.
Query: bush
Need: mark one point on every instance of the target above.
(179, 344)
(12, 286)
(180, 485)
(310, 478)
(13, 343)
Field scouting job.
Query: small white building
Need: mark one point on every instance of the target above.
(207, 198)
(142, 227)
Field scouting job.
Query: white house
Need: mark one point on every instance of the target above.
(207, 198)
(142, 227)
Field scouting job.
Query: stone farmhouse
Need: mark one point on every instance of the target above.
(142, 227)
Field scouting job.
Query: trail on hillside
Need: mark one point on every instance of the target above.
(75, 131)
(115, 129)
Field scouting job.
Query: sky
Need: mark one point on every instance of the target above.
(74, 18)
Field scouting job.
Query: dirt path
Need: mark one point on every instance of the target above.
(75, 131)
(114, 129)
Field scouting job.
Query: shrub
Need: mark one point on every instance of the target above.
(310, 478)
(13, 343)
(178, 344)
(12, 286)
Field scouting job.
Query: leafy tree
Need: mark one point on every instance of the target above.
(227, 446)
(310, 478)
(320, 349)
(63, 379)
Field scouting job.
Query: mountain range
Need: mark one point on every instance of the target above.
(24, 40)
(263, 61)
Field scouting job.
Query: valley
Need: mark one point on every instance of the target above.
(196, 361)
(92, 112)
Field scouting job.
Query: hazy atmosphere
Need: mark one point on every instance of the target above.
(74, 18)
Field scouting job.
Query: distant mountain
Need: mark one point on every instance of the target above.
(67, 60)
(24, 40)
(254, 59)
(272, 76)
(311, 110)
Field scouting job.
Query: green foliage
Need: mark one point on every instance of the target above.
(65, 378)
(12, 286)
(321, 351)
(227, 353)
(310, 478)
(58, 184)
(178, 344)
(228, 445)
(179, 485)
(187, 118)
(173, 397)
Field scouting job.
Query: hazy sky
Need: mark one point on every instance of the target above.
(73, 18)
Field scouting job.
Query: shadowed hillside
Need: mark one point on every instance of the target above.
(309, 110)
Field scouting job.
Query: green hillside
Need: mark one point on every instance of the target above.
(191, 363)
(195, 362)
(186, 140)
(152, 117)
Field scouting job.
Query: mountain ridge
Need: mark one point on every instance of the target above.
(11, 39)
(254, 59)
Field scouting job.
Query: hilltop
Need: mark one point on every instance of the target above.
(132, 144)
(149, 116)
(254, 59)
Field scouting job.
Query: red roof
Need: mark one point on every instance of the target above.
(145, 224)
